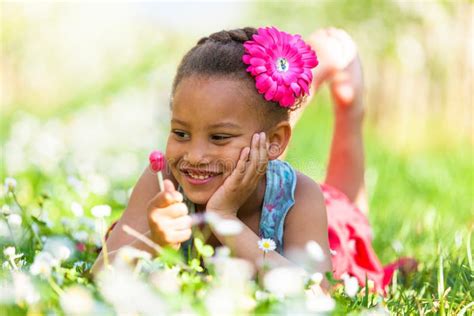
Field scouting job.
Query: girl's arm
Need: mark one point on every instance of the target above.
(306, 221)
(245, 245)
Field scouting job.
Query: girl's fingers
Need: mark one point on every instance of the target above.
(263, 155)
(257, 158)
(180, 235)
(241, 164)
(254, 153)
(253, 160)
(180, 223)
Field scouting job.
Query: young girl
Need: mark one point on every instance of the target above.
(231, 103)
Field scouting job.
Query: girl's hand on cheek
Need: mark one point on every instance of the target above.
(237, 187)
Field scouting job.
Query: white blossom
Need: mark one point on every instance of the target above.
(59, 247)
(233, 272)
(128, 254)
(223, 251)
(9, 252)
(318, 303)
(228, 227)
(4, 231)
(6, 210)
(166, 280)
(316, 278)
(14, 220)
(315, 251)
(100, 211)
(351, 286)
(127, 294)
(397, 246)
(77, 209)
(10, 184)
(24, 289)
(285, 281)
(98, 184)
(81, 236)
(221, 301)
(77, 300)
(261, 295)
(212, 218)
(43, 264)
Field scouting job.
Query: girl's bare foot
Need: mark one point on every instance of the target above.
(340, 66)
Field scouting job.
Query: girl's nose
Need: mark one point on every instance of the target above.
(196, 154)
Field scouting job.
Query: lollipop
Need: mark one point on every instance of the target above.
(157, 163)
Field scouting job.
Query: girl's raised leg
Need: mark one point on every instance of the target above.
(340, 66)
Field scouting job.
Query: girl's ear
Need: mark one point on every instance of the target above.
(278, 138)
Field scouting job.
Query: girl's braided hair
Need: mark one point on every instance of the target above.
(220, 54)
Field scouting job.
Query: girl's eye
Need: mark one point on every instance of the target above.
(181, 134)
(220, 137)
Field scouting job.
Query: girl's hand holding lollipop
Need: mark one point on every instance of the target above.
(168, 217)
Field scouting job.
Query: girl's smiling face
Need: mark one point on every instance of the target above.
(212, 120)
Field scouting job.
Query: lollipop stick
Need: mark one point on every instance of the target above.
(160, 181)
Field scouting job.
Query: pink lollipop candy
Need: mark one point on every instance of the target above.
(157, 163)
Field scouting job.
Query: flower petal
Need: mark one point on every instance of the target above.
(258, 70)
(296, 88)
(263, 83)
(288, 100)
(281, 91)
(246, 59)
(254, 61)
(271, 91)
(303, 85)
(262, 40)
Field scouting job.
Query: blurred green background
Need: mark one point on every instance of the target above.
(85, 91)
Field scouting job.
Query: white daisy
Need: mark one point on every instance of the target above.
(266, 244)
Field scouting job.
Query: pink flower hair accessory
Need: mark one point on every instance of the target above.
(281, 64)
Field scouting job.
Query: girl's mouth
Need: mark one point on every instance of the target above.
(199, 177)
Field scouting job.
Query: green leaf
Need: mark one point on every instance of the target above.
(170, 256)
(202, 249)
(195, 264)
(198, 243)
(207, 251)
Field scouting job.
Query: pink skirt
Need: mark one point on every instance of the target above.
(350, 240)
